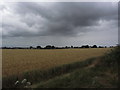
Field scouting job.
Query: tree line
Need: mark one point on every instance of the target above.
(54, 47)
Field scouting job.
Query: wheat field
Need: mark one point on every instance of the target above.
(17, 61)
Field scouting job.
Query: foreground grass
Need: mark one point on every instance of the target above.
(87, 73)
(85, 78)
(103, 75)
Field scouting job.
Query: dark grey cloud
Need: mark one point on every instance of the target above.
(63, 19)
(59, 23)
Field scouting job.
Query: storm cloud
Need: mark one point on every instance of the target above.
(63, 19)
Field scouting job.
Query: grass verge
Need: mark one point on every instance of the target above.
(103, 75)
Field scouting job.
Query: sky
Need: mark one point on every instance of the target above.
(59, 23)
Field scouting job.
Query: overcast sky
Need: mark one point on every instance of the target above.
(59, 24)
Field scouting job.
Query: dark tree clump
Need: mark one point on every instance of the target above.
(38, 47)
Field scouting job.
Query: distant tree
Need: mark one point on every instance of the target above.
(94, 46)
(111, 46)
(85, 46)
(66, 46)
(53, 47)
(4, 47)
(71, 46)
(100, 47)
(38, 47)
(31, 47)
(105, 46)
(48, 47)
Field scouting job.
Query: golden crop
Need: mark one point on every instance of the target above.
(17, 61)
